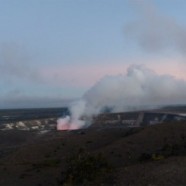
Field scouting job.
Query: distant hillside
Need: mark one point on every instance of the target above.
(175, 108)
(14, 115)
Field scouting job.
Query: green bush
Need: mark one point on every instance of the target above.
(85, 169)
(47, 163)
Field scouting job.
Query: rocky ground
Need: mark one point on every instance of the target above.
(31, 125)
(153, 155)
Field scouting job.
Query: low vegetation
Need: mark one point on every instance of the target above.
(85, 169)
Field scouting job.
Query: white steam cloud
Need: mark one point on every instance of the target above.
(74, 121)
(139, 88)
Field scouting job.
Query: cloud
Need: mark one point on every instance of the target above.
(153, 31)
(22, 101)
(16, 64)
(86, 75)
(140, 88)
(79, 75)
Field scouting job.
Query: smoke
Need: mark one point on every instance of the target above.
(16, 100)
(15, 64)
(140, 88)
(155, 32)
(74, 121)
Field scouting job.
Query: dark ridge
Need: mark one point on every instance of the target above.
(13, 115)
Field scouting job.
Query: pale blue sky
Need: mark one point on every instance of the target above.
(57, 49)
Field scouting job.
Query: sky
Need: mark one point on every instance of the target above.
(53, 51)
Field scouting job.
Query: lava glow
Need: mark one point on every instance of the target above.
(63, 123)
(69, 124)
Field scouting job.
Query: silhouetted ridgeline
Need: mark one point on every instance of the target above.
(13, 115)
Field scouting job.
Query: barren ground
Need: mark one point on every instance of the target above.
(154, 155)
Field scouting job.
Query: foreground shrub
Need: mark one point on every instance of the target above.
(86, 169)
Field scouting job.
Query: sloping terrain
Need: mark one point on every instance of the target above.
(12, 140)
(153, 155)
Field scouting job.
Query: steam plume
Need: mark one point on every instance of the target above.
(155, 32)
(139, 88)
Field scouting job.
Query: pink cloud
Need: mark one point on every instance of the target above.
(85, 75)
(88, 74)
(175, 67)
